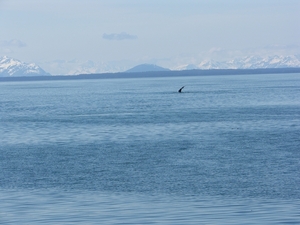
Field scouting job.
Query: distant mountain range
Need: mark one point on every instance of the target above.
(10, 67)
(252, 62)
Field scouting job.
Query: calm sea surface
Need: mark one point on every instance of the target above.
(135, 151)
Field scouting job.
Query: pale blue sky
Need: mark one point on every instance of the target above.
(130, 32)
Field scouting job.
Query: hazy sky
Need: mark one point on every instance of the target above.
(130, 32)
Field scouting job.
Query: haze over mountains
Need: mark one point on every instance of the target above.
(252, 62)
(10, 67)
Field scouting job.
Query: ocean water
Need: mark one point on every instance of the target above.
(135, 151)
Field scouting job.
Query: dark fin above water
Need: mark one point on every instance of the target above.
(180, 89)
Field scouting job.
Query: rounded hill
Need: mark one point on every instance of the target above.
(146, 68)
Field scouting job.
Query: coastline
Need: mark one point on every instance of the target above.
(196, 72)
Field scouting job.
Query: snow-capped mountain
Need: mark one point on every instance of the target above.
(10, 67)
(186, 67)
(209, 64)
(268, 62)
(251, 62)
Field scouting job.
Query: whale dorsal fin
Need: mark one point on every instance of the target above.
(180, 89)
